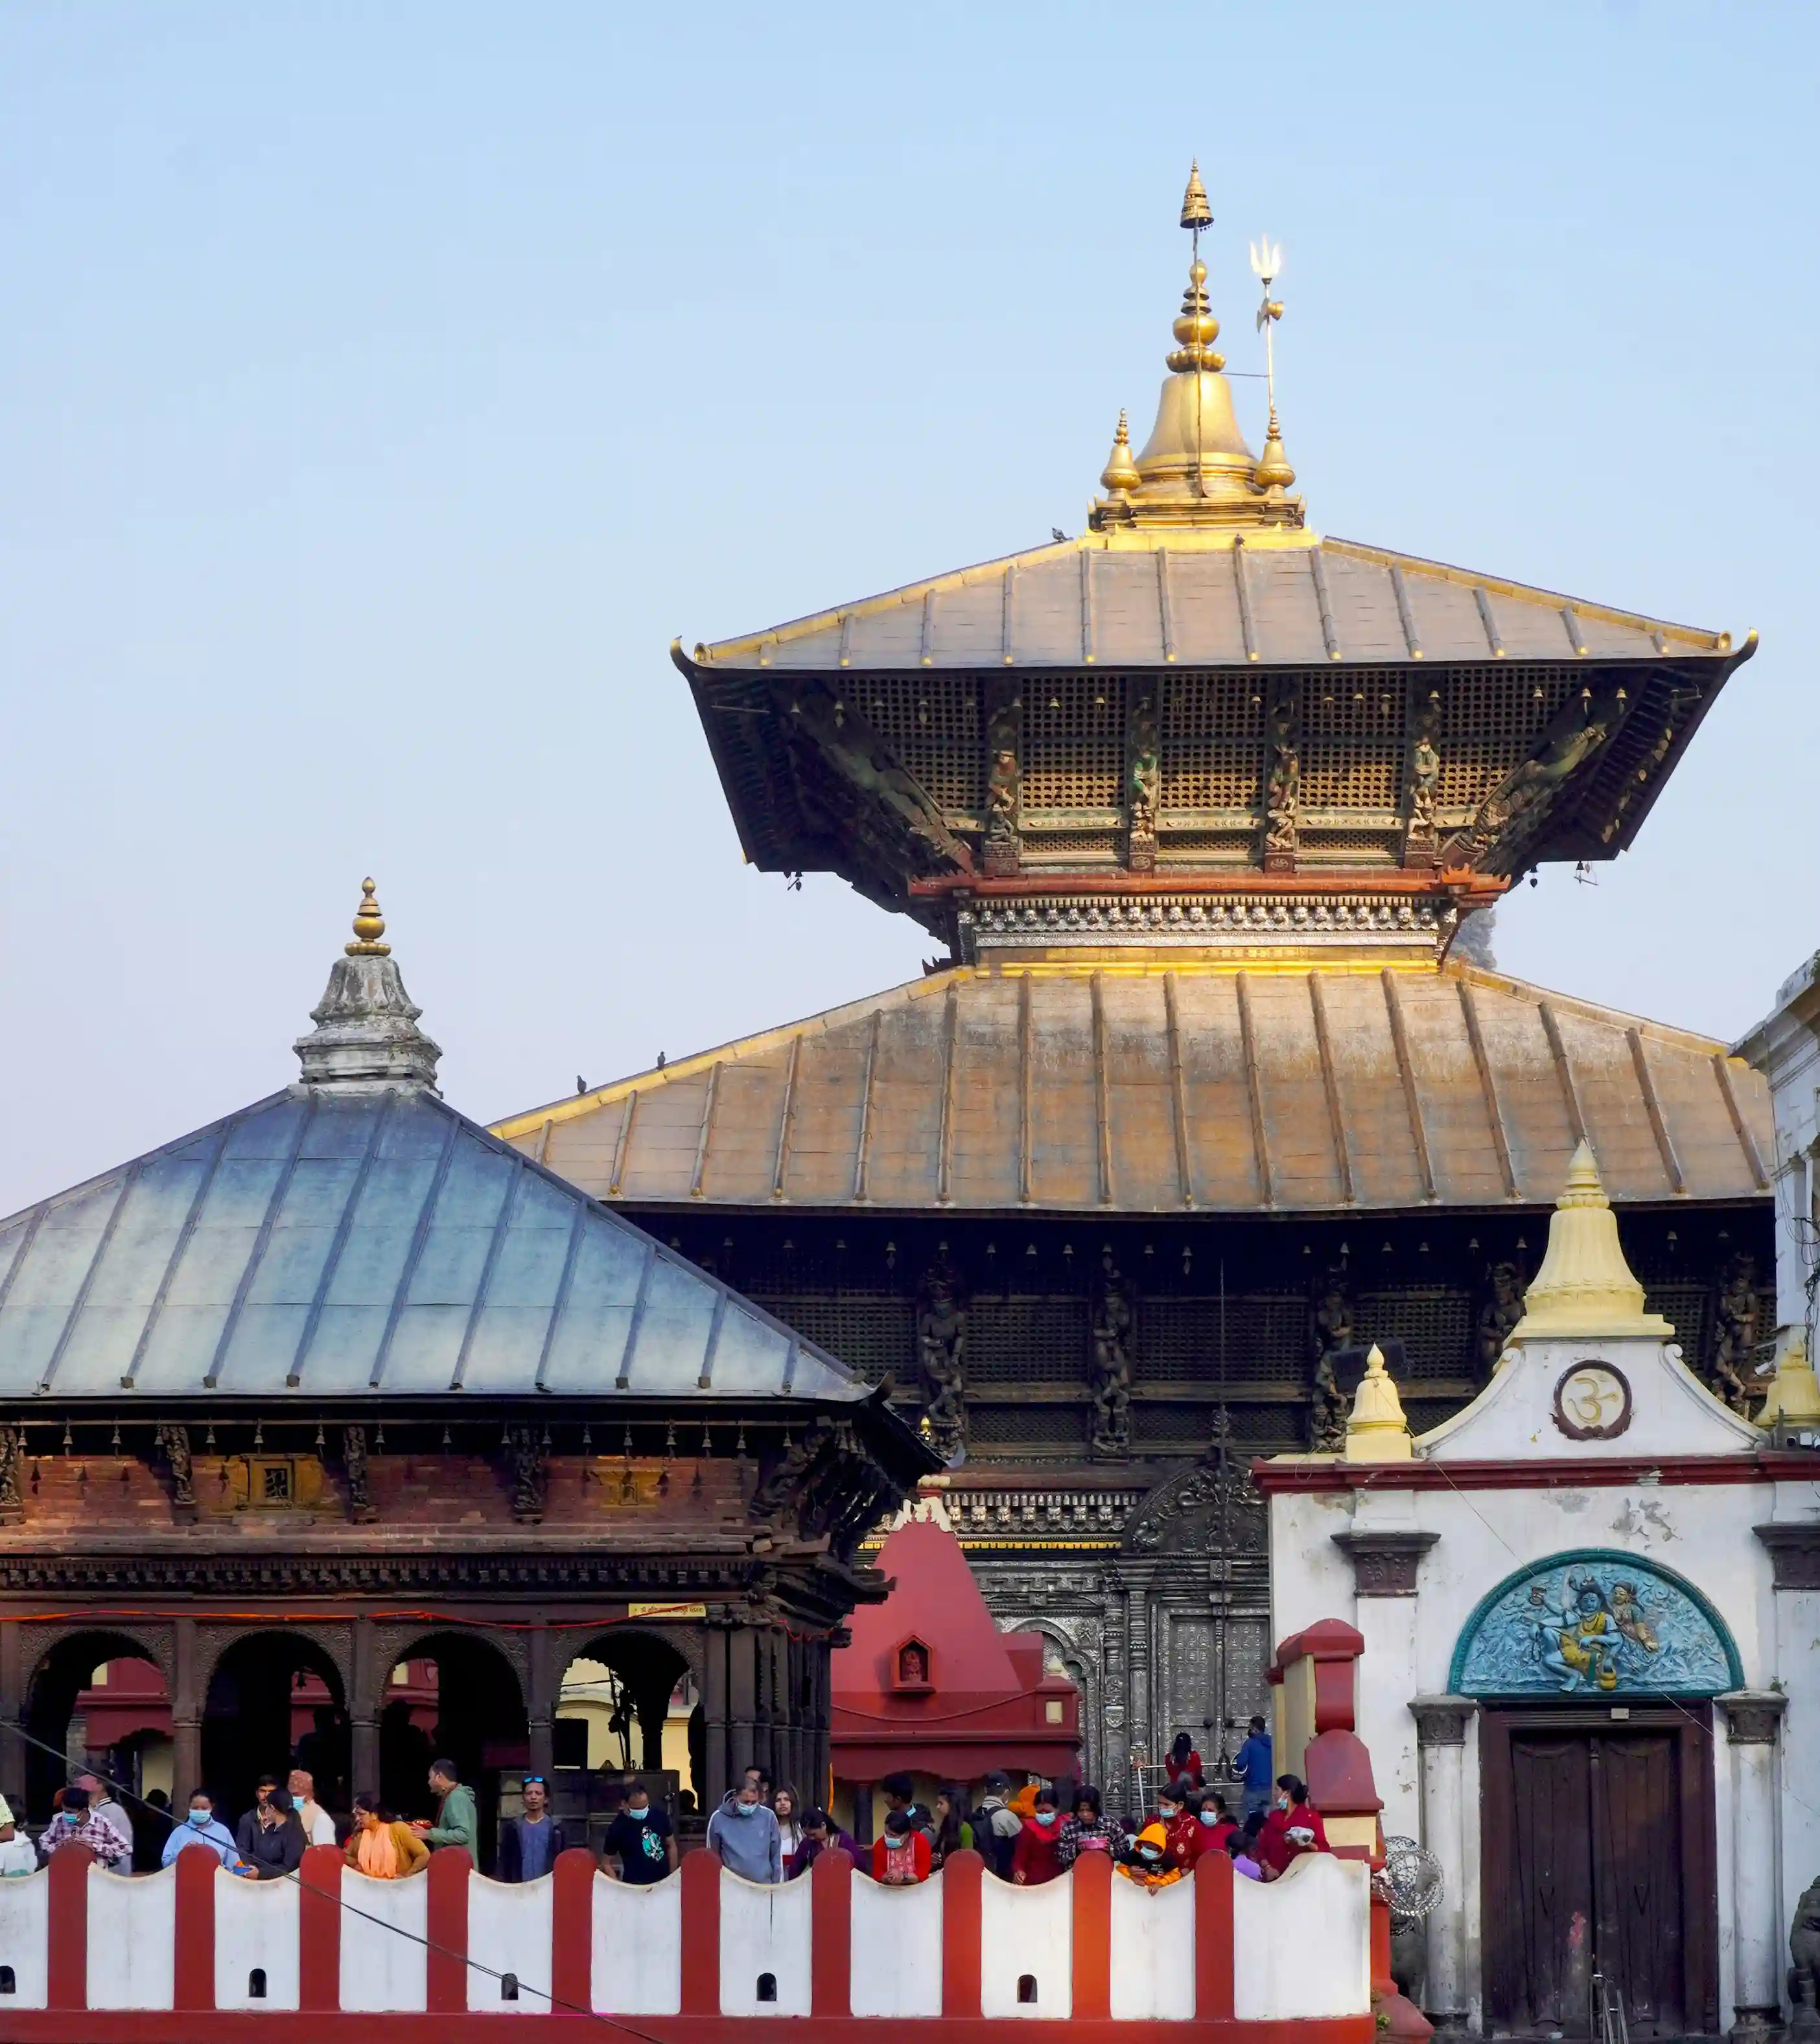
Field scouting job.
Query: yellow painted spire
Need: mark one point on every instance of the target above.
(1121, 471)
(1585, 1289)
(1376, 1430)
(369, 927)
(1793, 1399)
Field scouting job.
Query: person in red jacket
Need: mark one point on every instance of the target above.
(1293, 1814)
(1184, 1761)
(1033, 1858)
(900, 1859)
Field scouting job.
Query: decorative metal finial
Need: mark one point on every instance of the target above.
(1267, 267)
(369, 927)
(1196, 329)
(1273, 473)
(1121, 471)
(1196, 213)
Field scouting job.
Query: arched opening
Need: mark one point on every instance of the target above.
(96, 1699)
(274, 1701)
(626, 1702)
(454, 1697)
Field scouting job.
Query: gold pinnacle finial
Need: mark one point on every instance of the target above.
(1376, 1430)
(1121, 471)
(1196, 213)
(1274, 474)
(369, 927)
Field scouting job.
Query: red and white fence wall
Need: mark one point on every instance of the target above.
(194, 1954)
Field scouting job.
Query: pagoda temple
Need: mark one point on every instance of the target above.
(1208, 1094)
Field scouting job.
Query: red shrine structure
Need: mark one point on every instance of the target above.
(932, 1688)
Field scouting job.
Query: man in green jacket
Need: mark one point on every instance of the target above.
(456, 1822)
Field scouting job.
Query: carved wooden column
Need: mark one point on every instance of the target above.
(1114, 1708)
(363, 1711)
(541, 1701)
(1753, 1727)
(716, 1769)
(1138, 1664)
(13, 1677)
(1441, 1730)
(742, 1701)
(186, 1702)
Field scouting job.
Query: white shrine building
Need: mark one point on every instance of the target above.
(1591, 1684)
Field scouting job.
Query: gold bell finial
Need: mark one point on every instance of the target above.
(1120, 473)
(1273, 474)
(369, 927)
(1196, 213)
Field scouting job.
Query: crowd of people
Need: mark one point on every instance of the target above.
(1037, 1833)
(1027, 1836)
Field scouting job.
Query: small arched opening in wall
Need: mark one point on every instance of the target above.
(452, 1696)
(96, 1699)
(626, 1701)
(274, 1701)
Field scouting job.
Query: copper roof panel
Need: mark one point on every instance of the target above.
(1141, 1096)
(1536, 1122)
(1223, 1155)
(1303, 1162)
(1456, 1115)
(1127, 623)
(1284, 608)
(1374, 1102)
(970, 624)
(986, 1124)
(1063, 1134)
(1207, 628)
(903, 1127)
(1046, 615)
(1366, 621)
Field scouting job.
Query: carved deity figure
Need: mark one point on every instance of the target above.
(1735, 1336)
(1001, 797)
(1114, 1327)
(359, 1476)
(1283, 800)
(529, 1472)
(941, 1352)
(12, 1450)
(1333, 1335)
(1534, 785)
(1424, 780)
(1146, 781)
(1498, 1317)
(175, 1441)
(1804, 1950)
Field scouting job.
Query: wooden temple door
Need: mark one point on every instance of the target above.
(1598, 1858)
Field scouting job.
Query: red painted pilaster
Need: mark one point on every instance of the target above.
(700, 1933)
(831, 1935)
(571, 1932)
(447, 1874)
(68, 1955)
(961, 1912)
(1091, 1880)
(194, 1968)
(1213, 1877)
(319, 1930)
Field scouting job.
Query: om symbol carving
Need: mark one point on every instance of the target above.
(1592, 1402)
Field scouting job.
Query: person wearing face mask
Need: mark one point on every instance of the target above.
(1033, 1858)
(75, 1824)
(1178, 1811)
(1146, 1860)
(1293, 1812)
(641, 1838)
(901, 1858)
(743, 1834)
(204, 1828)
(1214, 1824)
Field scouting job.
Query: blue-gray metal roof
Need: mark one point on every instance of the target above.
(328, 1243)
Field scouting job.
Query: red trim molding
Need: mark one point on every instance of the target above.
(1459, 882)
(194, 1959)
(700, 1933)
(1546, 1473)
(962, 1934)
(1214, 1874)
(572, 1930)
(831, 1935)
(319, 1930)
(66, 1953)
(446, 1961)
(1092, 1882)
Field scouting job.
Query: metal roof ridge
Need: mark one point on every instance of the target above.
(1577, 1004)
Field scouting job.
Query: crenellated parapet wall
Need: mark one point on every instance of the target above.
(194, 1955)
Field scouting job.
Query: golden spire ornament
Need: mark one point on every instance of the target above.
(1120, 474)
(1274, 474)
(1196, 213)
(369, 927)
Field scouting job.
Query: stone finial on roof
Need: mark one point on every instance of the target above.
(1585, 1289)
(1376, 1430)
(366, 1034)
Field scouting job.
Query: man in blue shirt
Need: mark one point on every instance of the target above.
(1252, 1763)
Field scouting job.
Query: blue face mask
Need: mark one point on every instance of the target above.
(201, 1819)
(1149, 1853)
(1168, 1812)
(744, 1809)
(1209, 1818)
(72, 1816)
(1045, 1816)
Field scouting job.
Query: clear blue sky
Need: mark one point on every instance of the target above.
(382, 386)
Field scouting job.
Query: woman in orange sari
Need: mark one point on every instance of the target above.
(379, 1847)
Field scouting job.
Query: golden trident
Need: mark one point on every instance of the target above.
(1267, 266)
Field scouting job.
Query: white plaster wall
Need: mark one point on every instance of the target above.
(764, 1930)
(897, 1947)
(1301, 1945)
(509, 1929)
(25, 1939)
(132, 1939)
(1027, 1931)
(1152, 1952)
(256, 1925)
(638, 1947)
(379, 1969)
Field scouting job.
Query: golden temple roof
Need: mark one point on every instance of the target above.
(1168, 1089)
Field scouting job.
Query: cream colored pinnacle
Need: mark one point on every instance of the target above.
(1585, 1289)
(1793, 1399)
(1376, 1430)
